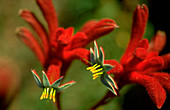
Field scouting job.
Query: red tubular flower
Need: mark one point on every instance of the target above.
(58, 46)
(141, 64)
(58, 43)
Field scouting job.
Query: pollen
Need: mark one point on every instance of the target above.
(49, 94)
(96, 70)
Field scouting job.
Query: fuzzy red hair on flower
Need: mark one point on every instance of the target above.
(141, 63)
(58, 43)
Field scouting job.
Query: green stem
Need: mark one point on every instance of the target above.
(107, 98)
(58, 105)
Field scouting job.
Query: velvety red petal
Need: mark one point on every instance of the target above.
(37, 27)
(79, 53)
(87, 25)
(158, 42)
(153, 87)
(99, 29)
(64, 37)
(141, 53)
(140, 17)
(26, 36)
(152, 54)
(132, 63)
(59, 32)
(163, 78)
(117, 67)
(166, 59)
(53, 73)
(50, 15)
(70, 31)
(150, 63)
(55, 42)
(77, 40)
(144, 43)
(63, 40)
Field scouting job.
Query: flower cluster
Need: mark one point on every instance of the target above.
(141, 62)
(58, 47)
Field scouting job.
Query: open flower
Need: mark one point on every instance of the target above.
(141, 62)
(99, 68)
(50, 88)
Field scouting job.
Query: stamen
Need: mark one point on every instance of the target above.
(42, 96)
(54, 96)
(97, 66)
(91, 67)
(51, 93)
(95, 71)
(44, 93)
(96, 74)
(47, 93)
(95, 77)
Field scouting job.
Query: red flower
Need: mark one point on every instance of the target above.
(59, 46)
(141, 63)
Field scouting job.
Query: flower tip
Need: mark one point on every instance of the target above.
(144, 6)
(20, 11)
(138, 6)
(72, 82)
(159, 106)
(32, 70)
(95, 42)
(161, 33)
(43, 72)
(116, 26)
(19, 32)
(23, 12)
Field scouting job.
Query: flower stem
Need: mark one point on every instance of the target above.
(58, 105)
(107, 98)
(63, 71)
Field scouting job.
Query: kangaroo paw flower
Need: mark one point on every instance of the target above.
(99, 69)
(50, 88)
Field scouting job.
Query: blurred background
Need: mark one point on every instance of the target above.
(18, 89)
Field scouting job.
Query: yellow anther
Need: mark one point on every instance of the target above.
(96, 74)
(51, 93)
(91, 67)
(54, 96)
(95, 77)
(44, 93)
(97, 66)
(95, 71)
(94, 68)
(42, 96)
(47, 93)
